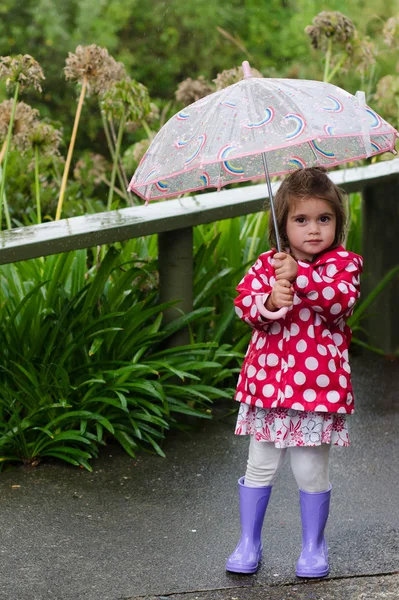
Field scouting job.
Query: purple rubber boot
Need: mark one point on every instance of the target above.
(248, 553)
(313, 561)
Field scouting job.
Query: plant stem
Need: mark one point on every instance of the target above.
(3, 151)
(116, 156)
(336, 68)
(37, 185)
(70, 150)
(328, 58)
(112, 152)
(8, 140)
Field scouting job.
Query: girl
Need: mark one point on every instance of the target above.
(294, 386)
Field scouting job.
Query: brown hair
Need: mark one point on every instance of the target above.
(305, 183)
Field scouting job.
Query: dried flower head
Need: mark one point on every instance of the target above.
(24, 120)
(387, 96)
(90, 169)
(21, 69)
(128, 99)
(330, 25)
(135, 153)
(230, 76)
(95, 65)
(45, 137)
(191, 90)
(391, 32)
(361, 54)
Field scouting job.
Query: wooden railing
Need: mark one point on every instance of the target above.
(173, 221)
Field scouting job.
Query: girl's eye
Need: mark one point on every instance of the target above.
(324, 219)
(300, 220)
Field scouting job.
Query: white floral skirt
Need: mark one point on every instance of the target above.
(287, 427)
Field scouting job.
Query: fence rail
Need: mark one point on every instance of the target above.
(173, 221)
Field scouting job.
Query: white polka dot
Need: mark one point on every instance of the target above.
(343, 287)
(248, 321)
(256, 285)
(350, 268)
(343, 253)
(303, 264)
(332, 350)
(268, 390)
(333, 397)
(326, 333)
(328, 293)
(239, 396)
(264, 279)
(304, 314)
(309, 395)
(343, 382)
(346, 367)
(345, 355)
(248, 400)
(331, 270)
(294, 329)
(255, 336)
(239, 312)
(272, 281)
(278, 376)
(316, 277)
(317, 320)
(258, 264)
(321, 349)
(291, 361)
(313, 295)
(260, 343)
(301, 346)
(252, 388)
(321, 408)
(288, 392)
(323, 380)
(298, 406)
(247, 301)
(331, 366)
(259, 403)
(349, 398)
(274, 403)
(341, 409)
(251, 371)
(261, 375)
(272, 360)
(275, 328)
(311, 331)
(351, 302)
(311, 363)
(299, 378)
(327, 279)
(262, 360)
(317, 309)
(336, 309)
(239, 380)
(297, 299)
(254, 311)
(302, 281)
(338, 339)
(330, 260)
(280, 345)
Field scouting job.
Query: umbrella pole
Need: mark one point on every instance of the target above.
(269, 187)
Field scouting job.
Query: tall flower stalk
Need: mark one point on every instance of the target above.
(45, 141)
(20, 72)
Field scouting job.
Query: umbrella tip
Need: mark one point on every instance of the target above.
(246, 69)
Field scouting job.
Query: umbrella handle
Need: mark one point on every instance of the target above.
(273, 316)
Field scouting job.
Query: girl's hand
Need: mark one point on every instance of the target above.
(282, 295)
(285, 266)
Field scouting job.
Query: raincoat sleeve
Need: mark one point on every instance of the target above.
(258, 281)
(332, 294)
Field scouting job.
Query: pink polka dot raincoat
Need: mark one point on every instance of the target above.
(301, 361)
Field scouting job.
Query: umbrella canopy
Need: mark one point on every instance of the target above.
(227, 136)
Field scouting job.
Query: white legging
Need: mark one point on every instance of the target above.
(309, 465)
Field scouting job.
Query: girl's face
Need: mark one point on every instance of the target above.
(310, 227)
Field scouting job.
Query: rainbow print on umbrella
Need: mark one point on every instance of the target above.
(269, 117)
(336, 107)
(375, 119)
(162, 185)
(200, 145)
(297, 162)
(182, 116)
(329, 129)
(228, 166)
(205, 179)
(228, 104)
(150, 174)
(376, 147)
(324, 153)
(182, 143)
(299, 125)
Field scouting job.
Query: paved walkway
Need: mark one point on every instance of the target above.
(154, 527)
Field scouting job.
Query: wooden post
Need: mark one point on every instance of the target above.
(381, 253)
(175, 258)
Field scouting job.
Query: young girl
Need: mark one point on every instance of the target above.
(294, 387)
